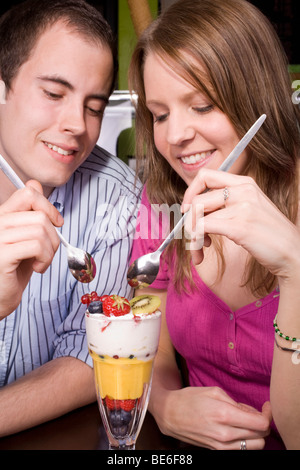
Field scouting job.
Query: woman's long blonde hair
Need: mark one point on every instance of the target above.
(246, 75)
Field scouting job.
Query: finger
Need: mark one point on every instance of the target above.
(212, 179)
(237, 413)
(250, 444)
(23, 232)
(213, 444)
(230, 436)
(40, 254)
(36, 185)
(207, 241)
(197, 256)
(251, 419)
(27, 225)
(215, 199)
(267, 410)
(27, 235)
(194, 233)
(30, 199)
(193, 226)
(226, 438)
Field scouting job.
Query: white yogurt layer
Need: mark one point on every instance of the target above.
(124, 336)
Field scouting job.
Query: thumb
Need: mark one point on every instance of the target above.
(55, 217)
(35, 185)
(267, 410)
(194, 232)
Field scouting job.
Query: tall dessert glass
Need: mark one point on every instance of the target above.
(123, 350)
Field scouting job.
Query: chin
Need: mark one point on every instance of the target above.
(48, 186)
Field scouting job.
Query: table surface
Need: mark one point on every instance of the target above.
(82, 429)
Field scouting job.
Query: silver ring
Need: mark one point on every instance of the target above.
(225, 194)
(243, 445)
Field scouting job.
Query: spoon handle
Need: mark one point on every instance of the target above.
(242, 144)
(228, 162)
(174, 232)
(9, 172)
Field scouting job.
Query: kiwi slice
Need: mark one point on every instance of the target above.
(144, 304)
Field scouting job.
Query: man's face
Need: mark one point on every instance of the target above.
(53, 112)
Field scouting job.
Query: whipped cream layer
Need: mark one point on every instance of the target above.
(125, 336)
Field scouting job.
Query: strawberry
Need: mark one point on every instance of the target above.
(111, 403)
(115, 305)
(127, 405)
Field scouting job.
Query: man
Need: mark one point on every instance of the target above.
(57, 70)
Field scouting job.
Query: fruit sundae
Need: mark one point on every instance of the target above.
(123, 339)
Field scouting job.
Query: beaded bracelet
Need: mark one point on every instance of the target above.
(285, 349)
(277, 330)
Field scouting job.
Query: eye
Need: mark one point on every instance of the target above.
(95, 112)
(160, 118)
(51, 95)
(203, 109)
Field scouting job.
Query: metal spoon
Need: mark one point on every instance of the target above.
(81, 263)
(143, 271)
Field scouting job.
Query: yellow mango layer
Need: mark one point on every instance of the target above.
(121, 379)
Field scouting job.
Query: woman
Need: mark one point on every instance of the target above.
(204, 72)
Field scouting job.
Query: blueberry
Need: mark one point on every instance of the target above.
(125, 416)
(120, 431)
(119, 421)
(95, 307)
(120, 418)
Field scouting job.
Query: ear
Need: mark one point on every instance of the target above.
(2, 92)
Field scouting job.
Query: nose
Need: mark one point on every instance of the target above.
(72, 119)
(180, 129)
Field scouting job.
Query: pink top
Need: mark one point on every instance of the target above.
(229, 349)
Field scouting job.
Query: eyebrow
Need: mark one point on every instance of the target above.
(65, 83)
(186, 97)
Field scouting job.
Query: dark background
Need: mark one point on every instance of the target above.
(109, 9)
(285, 16)
(282, 13)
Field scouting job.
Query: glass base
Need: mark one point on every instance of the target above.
(121, 447)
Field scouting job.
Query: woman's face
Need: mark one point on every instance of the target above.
(189, 131)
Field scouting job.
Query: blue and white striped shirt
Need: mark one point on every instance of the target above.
(99, 205)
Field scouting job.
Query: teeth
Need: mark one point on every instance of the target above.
(196, 158)
(58, 149)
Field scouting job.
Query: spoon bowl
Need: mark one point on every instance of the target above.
(144, 270)
(80, 262)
